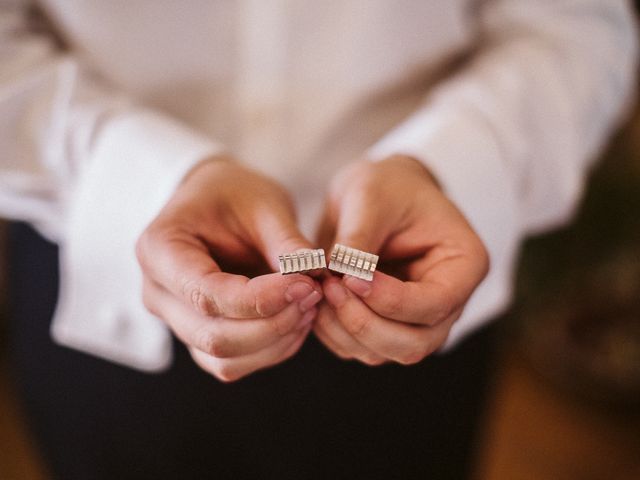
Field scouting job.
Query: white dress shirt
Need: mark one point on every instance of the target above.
(104, 107)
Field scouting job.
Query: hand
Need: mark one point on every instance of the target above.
(395, 208)
(224, 217)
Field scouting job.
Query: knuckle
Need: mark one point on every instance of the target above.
(484, 259)
(372, 360)
(226, 373)
(479, 257)
(220, 369)
(142, 247)
(215, 344)
(149, 241)
(282, 324)
(342, 355)
(413, 356)
(148, 302)
(448, 304)
(264, 305)
(201, 302)
(356, 325)
(395, 306)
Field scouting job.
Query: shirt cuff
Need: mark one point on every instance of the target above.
(459, 148)
(137, 161)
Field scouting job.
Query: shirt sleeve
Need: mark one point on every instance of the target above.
(512, 135)
(89, 169)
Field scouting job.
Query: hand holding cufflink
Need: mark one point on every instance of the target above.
(395, 209)
(192, 255)
(234, 325)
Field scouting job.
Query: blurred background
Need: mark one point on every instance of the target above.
(565, 400)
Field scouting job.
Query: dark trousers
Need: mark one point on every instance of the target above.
(312, 417)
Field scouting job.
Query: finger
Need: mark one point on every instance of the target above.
(331, 345)
(443, 289)
(400, 342)
(331, 332)
(232, 369)
(224, 337)
(276, 232)
(362, 223)
(183, 266)
(326, 231)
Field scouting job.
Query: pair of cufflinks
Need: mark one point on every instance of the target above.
(343, 259)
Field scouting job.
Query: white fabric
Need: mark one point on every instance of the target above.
(95, 136)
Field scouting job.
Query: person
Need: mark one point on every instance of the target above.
(165, 147)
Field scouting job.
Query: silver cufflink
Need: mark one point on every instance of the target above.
(347, 260)
(302, 261)
(353, 262)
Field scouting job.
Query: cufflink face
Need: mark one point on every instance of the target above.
(302, 261)
(347, 260)
(351, 261)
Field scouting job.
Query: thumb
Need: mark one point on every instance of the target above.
(277, 233)
(361, 224)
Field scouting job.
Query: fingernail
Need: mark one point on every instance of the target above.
(311, 299)
(336, 294)
(297, 291)
(362, 288)
(307, 318)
